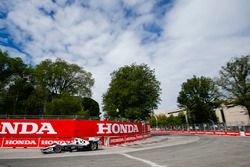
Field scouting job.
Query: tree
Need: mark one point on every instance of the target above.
(4, 67)
(163, 121)
(49, 88)
(34, 103)
(234, 79)
(199, 97)
(64, 104)
(157, 121)
(11, 68)
(133, 93)
(91, 107)
(15, 84)
(16, 96)
(59, 76)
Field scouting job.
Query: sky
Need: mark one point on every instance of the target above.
(176, 38)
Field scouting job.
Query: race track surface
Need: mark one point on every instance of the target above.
(171, 151)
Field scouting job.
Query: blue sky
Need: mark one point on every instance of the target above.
(177, 38)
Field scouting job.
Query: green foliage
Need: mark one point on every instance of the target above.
(16, 97)
(64, 104)
(15, 86)
(91, 107)
(199, 97)
(133, 93)
(34, 105)
(234, 79)
(10, 68)
(59, 76)
(49, 88)
(162, 121)
(181, 119)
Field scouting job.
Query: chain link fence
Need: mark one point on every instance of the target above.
(205, 127)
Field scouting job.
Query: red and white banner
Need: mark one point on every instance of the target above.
(49, 141)
(32, 142)
(209, 132)
(117, 140)
(147, 135)
(220, 133)
(69, 128)
(40, 133)
(247, 133)
(131, 138)
(1, 142)
(140, 137)
(233, 133)
(20, 142)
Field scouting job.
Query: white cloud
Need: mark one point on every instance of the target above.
(127, 50)
(211, 18)
(197, 37)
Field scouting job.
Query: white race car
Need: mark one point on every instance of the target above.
(77, 144)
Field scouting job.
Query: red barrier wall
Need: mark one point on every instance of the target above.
(116, 140)
(69, 128)
(39, 133)
(247, 133)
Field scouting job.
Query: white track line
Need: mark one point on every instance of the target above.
(143, 160)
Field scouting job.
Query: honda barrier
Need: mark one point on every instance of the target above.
(40, 133)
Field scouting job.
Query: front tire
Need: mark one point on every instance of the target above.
(58, 149)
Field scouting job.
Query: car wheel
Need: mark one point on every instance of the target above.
(58, 149)
(93, 146)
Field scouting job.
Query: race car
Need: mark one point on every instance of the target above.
(77, 144)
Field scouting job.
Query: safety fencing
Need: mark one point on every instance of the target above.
(39, 133)
(222, 129)
(219, 133)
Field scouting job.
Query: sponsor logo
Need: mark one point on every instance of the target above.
(113, 128)
(220, 133)
(117, 140)
(130, 138)
(19, 142)
(26, 128)
(50, 142)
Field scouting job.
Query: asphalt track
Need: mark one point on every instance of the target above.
(161, 151)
